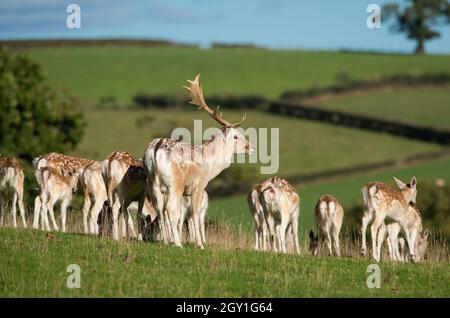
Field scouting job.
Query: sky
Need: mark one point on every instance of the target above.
(284, 24)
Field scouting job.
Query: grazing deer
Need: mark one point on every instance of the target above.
(125, 181)
(281, 206)
(175, 169)
(55, 187)
(11, 188)
(414, 221)
(94, 196)
(148, 222)
(64, 164)
(381, 201)
(328, 215)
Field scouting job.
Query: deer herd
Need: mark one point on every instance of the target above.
(167, 188)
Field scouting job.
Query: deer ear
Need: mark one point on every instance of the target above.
(413, 182)
(400, 183)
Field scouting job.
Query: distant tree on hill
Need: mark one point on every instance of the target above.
(418, 19)
(33, 119)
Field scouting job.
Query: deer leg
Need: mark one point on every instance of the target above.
(335, 238)
(367, 217)
(380, 237)
(159, 201)
(14, 210)
(36, 212)
(328, 241)
(283, 229)
(64, 205)
(258, 230)
(51, 204)
(21, 208)
(173, 211)
(45, 223)
(2, 212)
(411, 239)
(374, 232)
(294, 225)
(115, 219)
(131, 225)
(191, 229)
(196, 202)
(86, 207)
(202, 227)
(123, 215)
(140, 219)
(272, 233)
(265, 237)
(95, 211)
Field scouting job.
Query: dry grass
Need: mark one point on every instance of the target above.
(223, 235)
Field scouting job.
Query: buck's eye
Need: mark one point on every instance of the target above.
(235, 137)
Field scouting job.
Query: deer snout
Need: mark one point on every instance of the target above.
(249, 149)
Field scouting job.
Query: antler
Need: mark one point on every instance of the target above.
(195, 90)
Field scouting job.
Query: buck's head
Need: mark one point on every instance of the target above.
(409, 191)
(237, 141)
(313, 243)
(232, 136)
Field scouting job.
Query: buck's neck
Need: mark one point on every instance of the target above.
(216, 155)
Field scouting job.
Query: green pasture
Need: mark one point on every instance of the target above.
(35, 265)
(95, 72)
(428, 106)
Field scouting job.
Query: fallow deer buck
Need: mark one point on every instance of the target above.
(125, 181)
(381, 201)
(55, 187)
(328, 215)
(175, 169)
(11, 188)
(281, 206)
(64, 164)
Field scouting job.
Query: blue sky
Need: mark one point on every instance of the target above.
(318, 24)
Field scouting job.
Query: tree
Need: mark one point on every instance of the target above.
(418, 19)
(33, 118)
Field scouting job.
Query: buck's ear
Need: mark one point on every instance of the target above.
(400, 183)
(413, 182)
(311, 235)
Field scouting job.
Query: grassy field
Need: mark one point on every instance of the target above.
(424, 106)
(92, 73)
(305, 146)
(34, 265)
(347, 190)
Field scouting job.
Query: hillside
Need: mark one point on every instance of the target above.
(95, 72)
(34, 265)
